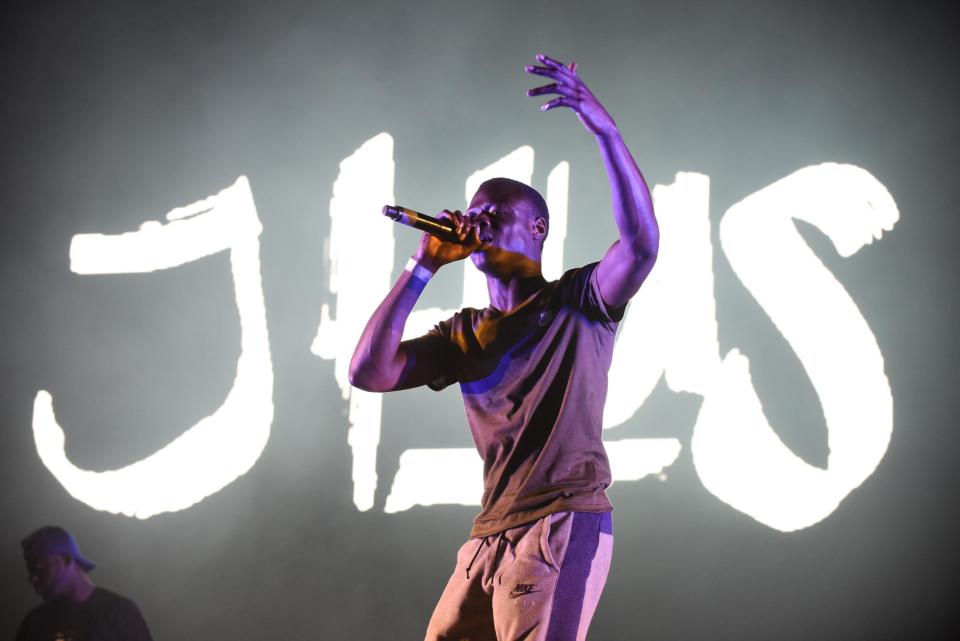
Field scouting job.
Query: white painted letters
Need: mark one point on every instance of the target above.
(222, 446)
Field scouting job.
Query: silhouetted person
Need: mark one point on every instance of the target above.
(73, 608)
(532, 369)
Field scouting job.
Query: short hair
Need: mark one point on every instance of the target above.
(520, 190)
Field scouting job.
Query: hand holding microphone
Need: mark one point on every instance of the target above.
(449, 237)
(439, 227)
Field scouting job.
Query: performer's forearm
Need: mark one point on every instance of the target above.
(378, 363)
(631, 200)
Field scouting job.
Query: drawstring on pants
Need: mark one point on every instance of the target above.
(475, 555)
(496, 555)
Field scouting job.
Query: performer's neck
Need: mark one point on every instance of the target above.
(506, 294)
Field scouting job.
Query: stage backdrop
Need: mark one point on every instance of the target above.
(192, 242)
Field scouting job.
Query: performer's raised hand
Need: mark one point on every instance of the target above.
(574, 94)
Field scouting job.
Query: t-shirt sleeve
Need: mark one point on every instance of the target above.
(581, 289)
(443, 331)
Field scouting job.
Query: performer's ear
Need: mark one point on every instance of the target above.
(539, 228)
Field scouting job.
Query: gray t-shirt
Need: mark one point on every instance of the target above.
(534, 382)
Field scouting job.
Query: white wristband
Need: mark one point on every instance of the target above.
(418, 271)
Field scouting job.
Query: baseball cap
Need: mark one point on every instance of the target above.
(52, 539)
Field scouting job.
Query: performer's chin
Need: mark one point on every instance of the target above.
(480, 256)
(499, 262)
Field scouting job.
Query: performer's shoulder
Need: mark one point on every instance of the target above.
(576, 276)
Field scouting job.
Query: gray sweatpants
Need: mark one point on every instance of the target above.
(540, 581)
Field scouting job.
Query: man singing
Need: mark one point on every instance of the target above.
(532, 368)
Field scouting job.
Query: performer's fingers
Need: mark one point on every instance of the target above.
(556, 65)
(536, 91)
(561, 101)
(548, 61)
(455, 217)
(475, 235)
(553, 88)
(463, 224)
(542, 71)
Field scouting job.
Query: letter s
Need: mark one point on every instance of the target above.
(738, 456)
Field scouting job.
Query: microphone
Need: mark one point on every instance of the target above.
(442, 229)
